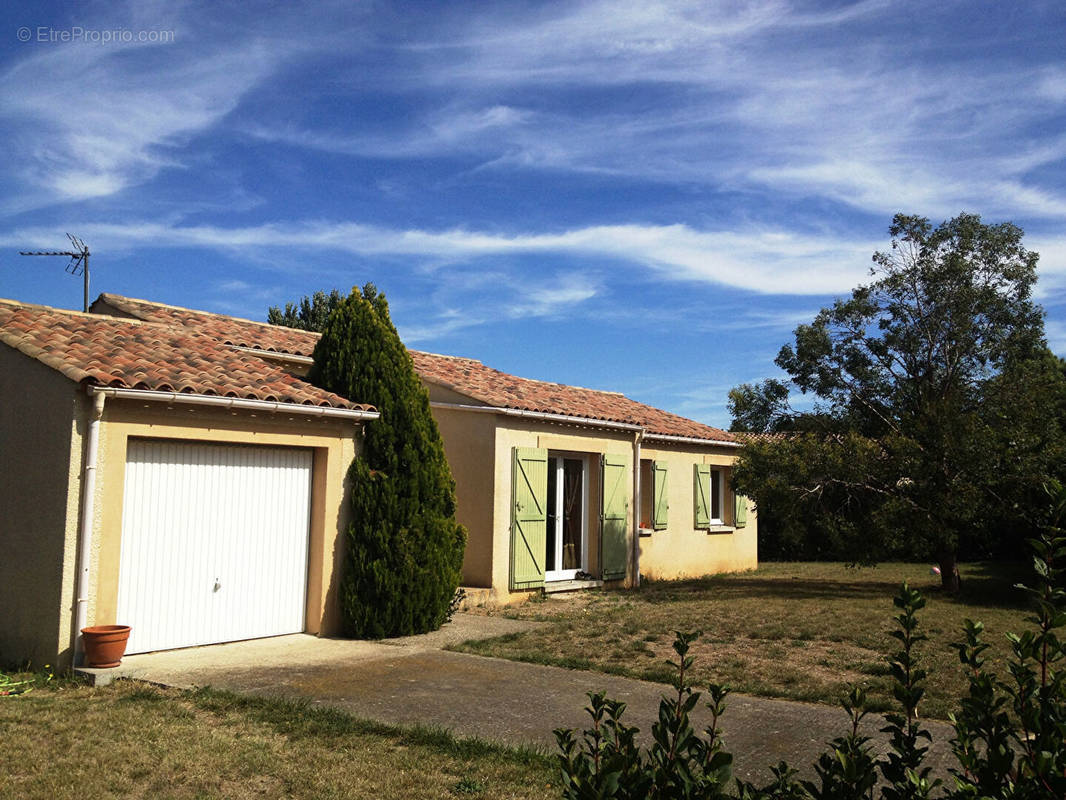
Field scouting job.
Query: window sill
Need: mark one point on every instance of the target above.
(721, 529)
(645, 531)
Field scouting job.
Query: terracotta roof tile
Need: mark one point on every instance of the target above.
(492, 387)
(761, 436)
(229, 330)
(110, 351)
(463, 375)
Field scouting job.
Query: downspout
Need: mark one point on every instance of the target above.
(637, 439)
(85, 528)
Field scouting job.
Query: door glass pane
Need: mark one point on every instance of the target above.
(573, 501)
(647, 493)
(716, 495)
(551, 562)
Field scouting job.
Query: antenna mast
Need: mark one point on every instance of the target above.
(79, 262)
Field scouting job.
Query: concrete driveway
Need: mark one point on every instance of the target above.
(413, 681)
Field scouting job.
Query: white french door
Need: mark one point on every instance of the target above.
(567, 517)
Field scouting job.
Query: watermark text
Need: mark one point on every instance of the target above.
(46, 34)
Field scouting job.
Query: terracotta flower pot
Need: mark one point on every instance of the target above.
(104, 645)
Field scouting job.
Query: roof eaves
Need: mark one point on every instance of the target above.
(668, 437)
(323, 410)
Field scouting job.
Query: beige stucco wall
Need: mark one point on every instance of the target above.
(334, 445)
(468, 445)
(681, 550)
(41, 421)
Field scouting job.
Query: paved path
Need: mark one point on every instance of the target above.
(413, 680)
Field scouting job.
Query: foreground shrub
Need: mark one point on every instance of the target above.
(1010, 734)
(1010, 731)
(679, 763)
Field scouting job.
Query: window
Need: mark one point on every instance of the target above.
(647, 496)
(708, 494)
(717, 487)
(654, 497)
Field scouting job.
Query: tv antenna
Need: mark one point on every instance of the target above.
(79, 262)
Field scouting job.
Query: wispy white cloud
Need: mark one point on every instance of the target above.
(1052, 84)
(446, 131)
(1056, 337)
(98, 128)
(757, 259)
(610, 43)
(763, 96)
(443, 323)
(87, 120)
(242, 298)
(555, 296)
(234, 285)
(502, 296)
(773, 318)
(1051, 286)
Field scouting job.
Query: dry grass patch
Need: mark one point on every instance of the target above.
(801, 631)
(133, 740)
(796, 664)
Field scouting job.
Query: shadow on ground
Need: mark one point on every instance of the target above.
(983, 584)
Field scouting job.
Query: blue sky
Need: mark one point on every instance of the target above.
(642, 198)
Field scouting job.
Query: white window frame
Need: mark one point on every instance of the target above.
(555, 460)
(719, 496)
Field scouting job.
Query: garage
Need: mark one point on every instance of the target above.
(214, 542)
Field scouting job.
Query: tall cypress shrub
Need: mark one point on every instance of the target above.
(404, 548)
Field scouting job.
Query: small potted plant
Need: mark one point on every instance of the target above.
(104, 645)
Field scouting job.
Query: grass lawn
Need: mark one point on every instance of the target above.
(136, 740)
(798, 630)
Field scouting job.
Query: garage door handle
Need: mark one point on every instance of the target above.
(217, 585)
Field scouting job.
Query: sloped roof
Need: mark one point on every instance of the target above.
(492, 387)
(133, 354)
(466, 376)
(229, 330)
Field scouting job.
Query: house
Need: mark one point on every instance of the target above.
(205, 433)
(557, 462)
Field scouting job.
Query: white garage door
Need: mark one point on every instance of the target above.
(214, 543)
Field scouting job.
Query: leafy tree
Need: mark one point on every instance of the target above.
(1026, 409)
(759, 408)
(929, 382)
(309, 314)
(804, 517)
(404, 548)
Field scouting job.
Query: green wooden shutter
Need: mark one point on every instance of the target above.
(701, 495)
(529, 496)
(660, 494)
(615, 517)
(740, 511)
